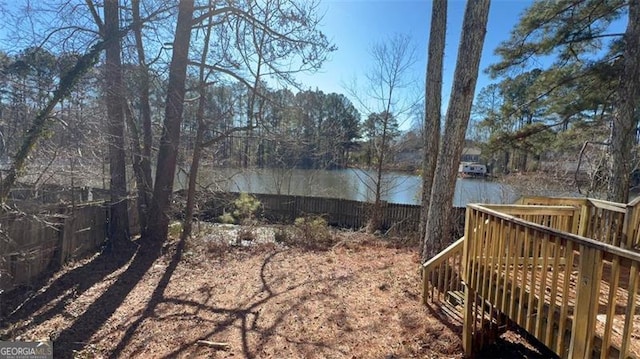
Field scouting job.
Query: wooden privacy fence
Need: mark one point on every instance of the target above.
(565, 270)
(30, 245)
(338, 212)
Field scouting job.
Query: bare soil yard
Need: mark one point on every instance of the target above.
(360, 298)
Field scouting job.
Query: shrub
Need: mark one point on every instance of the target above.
(227, 218)
(175, 229)
(282, 235)
(313, 232)
(245, 234)
(246, 207)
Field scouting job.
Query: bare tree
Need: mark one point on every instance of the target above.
(255, 41)
(197, 148)
(36, 129)
(458, 112)
(392, 61)
(259, 40)
(432, 105)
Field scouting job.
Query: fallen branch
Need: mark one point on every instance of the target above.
(215, 345)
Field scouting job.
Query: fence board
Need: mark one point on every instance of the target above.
(31, 245)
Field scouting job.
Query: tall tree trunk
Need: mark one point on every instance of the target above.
(119, 215)
(168, 149)
(142, 159)
(624, 131)
(524, 160)
(506, 158)
(197, 148)
(432, 105)
(438, 229)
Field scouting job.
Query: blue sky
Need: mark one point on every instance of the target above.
(354, 25)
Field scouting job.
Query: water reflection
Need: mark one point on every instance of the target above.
(348, 184)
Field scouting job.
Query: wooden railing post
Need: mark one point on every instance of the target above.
(633, 236)
(627, 227)
(583, 226)
(468, 321)
(631, 219)
(575, 225)
(584, 314)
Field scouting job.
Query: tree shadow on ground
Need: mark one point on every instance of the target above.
(75, 337)
(245, 315)
(156, 298)
(21, 304)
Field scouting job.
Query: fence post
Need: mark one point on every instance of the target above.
(586, 307)
(63, 229)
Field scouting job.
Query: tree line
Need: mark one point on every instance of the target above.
(306, 129)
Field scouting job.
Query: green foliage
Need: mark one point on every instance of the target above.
(320, 129)
(307, 232)
(567, 29)
(246, 207)
(227, 218)
(380, 129)
(550, 112)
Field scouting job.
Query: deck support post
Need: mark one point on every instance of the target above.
(467, 326)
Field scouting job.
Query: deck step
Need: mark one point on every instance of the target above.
(456, 297)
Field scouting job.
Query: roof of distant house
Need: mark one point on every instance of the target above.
(471, 151)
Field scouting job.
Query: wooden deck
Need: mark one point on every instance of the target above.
(532, 265)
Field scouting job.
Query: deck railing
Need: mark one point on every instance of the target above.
(608, 222)
(442, 275)
(564, 269)
(577, 295)
(442, 279)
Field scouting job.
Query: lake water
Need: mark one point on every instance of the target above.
(350, 184)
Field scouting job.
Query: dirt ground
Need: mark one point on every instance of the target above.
(358, 298)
